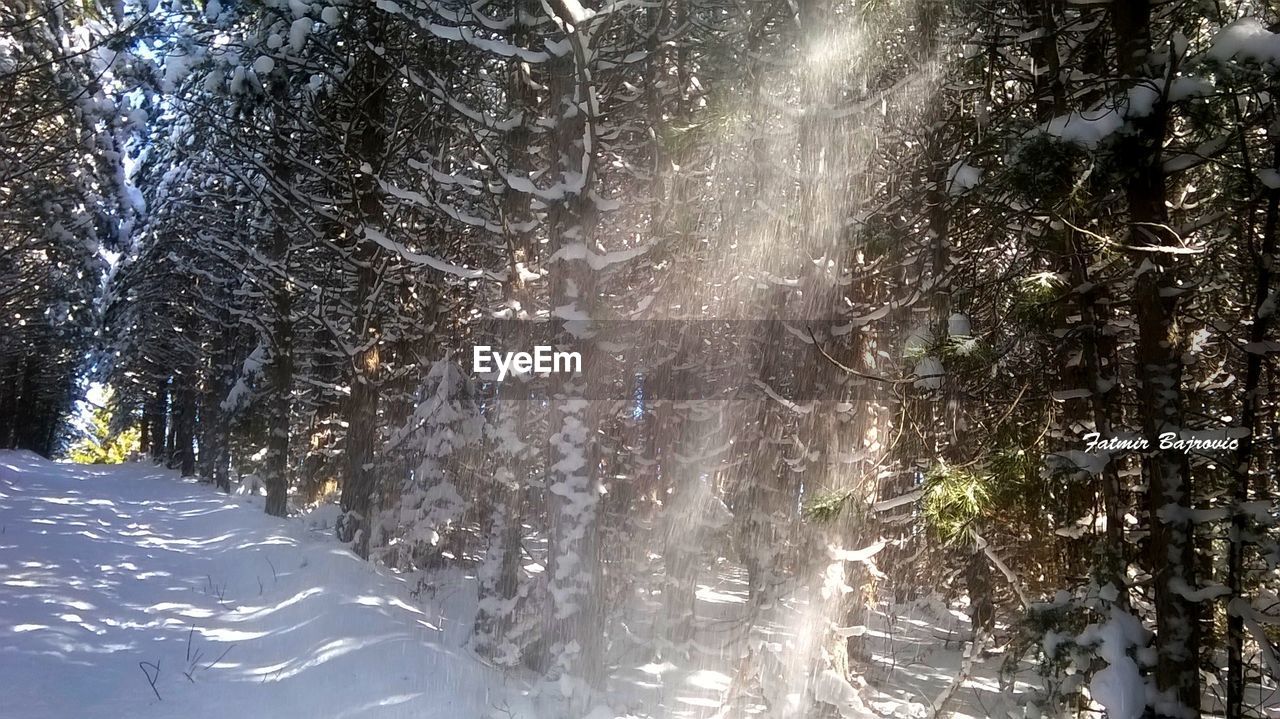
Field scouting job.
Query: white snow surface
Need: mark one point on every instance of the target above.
(105, 568)
(264, 65)
(102, 568)
(962, 177)
(1246, 39)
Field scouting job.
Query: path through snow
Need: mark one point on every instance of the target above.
(105, 568)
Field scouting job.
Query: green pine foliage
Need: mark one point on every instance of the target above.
(102, 444)
(956, 499)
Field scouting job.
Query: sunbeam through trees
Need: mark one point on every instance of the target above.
(655, 359)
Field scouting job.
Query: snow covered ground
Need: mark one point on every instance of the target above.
(914, 664)
(112, 575)
(128, 592)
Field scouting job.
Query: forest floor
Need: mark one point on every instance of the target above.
(125, 591)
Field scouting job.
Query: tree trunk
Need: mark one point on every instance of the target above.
(280, 372)
(157, 412)
(1241, 491)
(1172, 559)
(8, 401)
(144, 434)
(358, 487)
(280, 404)
(576, 608)
(185, 421)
